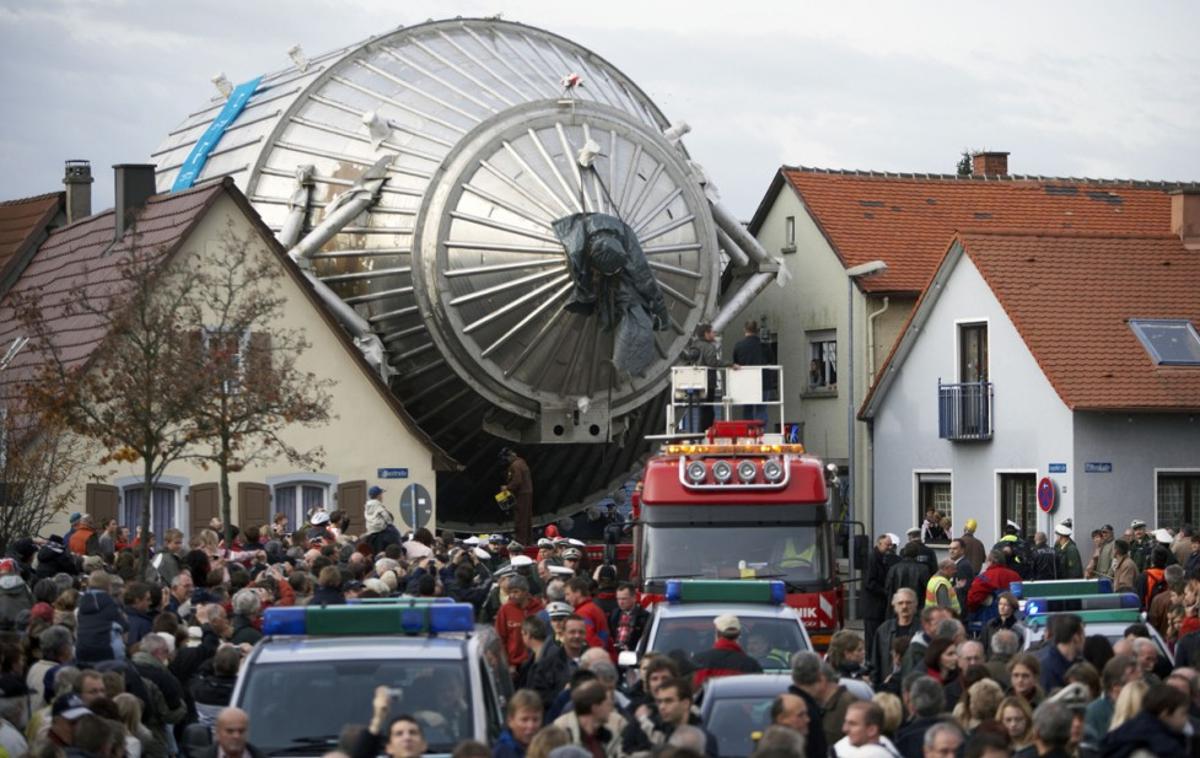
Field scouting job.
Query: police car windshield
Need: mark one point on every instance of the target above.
(794, 553)
(290, 704)
(770, 641)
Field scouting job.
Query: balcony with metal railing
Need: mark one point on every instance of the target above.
(965, 411)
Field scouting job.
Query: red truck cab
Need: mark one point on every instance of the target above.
(734, 507)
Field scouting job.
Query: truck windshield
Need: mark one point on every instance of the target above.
(792, 552)
(300, 708)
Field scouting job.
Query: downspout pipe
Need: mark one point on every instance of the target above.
(871, 340)
(298, 205)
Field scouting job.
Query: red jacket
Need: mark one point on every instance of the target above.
(508, 627)
(79, 539)
(994, 579)
(725, 658)
(597, 624)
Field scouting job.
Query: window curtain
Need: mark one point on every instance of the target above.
(162, 509)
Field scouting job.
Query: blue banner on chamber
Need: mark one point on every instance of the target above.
(234, 105)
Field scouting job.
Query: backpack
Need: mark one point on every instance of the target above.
(1154, 587)
(14, 598)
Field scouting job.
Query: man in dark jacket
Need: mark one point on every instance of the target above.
(628, 621)
(908, 572)
(964, 573)
(925, 554)
(100, 622)
(749, 352)
(808, 682)
(925, 703)
(54, 558)
(901, 624)
(875, 597)
(233, 729)
(726, 656)
(137, 611)
(1043, 559)
(214, 692)
(550, 666)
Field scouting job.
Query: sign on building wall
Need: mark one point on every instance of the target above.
(391, 473)
(1058, 468)
(1097, 467)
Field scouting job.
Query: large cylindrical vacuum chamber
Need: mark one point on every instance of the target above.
(454, 264)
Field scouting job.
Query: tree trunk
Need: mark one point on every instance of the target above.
(143, 552)
(226, 496)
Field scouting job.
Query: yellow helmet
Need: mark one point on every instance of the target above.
(972, 525)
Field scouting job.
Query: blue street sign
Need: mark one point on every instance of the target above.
(391, 473)
(1097, 467)
(1058, 468)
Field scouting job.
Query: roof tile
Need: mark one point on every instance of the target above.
(907, 219)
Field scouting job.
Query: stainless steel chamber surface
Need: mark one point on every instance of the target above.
(456, 266)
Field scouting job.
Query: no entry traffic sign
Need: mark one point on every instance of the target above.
(1046, 494)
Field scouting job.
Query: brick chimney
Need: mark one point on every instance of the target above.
(1185, 216)
(989, 164)
(134, 186)
(78, 178)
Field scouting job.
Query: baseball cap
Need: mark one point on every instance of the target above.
(76, 516)
(69, 707)
(375, 491)
(727, 623)
(558, 609)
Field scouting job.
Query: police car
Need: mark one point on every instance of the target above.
(1102, 611)
(317, 668)
(772, 632)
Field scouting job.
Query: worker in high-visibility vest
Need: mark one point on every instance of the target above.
(940, 589)
(795, 558)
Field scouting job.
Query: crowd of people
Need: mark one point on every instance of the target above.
(102, 655)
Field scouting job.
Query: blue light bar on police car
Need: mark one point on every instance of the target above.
(391, 618)
(773, 592)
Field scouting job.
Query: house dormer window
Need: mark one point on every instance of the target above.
(1170, 342)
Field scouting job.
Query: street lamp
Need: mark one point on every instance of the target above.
(860, 271)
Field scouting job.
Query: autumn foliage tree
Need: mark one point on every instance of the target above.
(40, 467)
(135, 395)
(253, 389)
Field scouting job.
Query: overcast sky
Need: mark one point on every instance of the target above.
(1100, 89)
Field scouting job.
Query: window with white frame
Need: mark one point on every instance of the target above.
(163, 500)
(229, 347)
(935, 502)
(789, 234)
(823, 368)
(297, 499)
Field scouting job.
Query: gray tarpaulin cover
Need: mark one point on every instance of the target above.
(611, 275)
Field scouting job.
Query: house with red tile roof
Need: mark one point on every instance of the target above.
(1059, 356)
(369, 430)
(832, 333)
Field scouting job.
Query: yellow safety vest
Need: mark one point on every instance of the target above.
(938, 581)
(796, 559)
